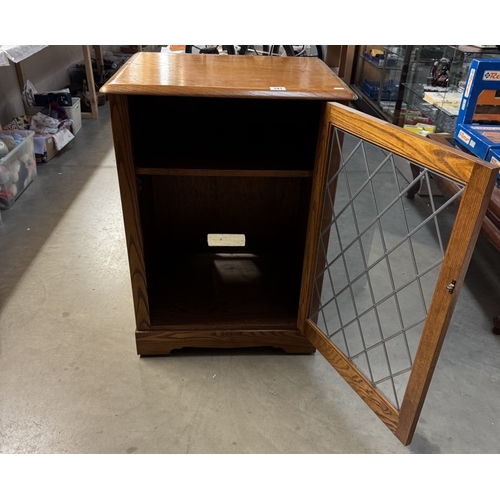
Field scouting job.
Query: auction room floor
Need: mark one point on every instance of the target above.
(71, 381)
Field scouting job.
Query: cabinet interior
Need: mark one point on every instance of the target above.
(236, 134)
(226, 167)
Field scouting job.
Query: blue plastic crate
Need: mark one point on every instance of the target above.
(389, 91)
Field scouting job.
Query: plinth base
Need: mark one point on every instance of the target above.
(157, 343)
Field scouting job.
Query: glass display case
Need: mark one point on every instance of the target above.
(379, 72)
(434, 84)
(418, 87)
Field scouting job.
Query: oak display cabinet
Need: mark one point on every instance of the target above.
(260, 212)
(218, 146)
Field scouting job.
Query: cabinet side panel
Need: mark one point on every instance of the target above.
(130, 207)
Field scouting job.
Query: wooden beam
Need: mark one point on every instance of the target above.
(90, 83)
(21, 78)
(346, 62)
(99, 61)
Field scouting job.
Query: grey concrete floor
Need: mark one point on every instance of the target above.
(71, 381)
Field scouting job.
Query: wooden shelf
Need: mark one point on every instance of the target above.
(210, 172)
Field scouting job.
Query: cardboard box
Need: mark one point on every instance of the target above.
(45, 148)
(494, 157)
(477, 138)
(478, 122)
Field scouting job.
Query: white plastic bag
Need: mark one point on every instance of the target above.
(44, 124)
(29, 92)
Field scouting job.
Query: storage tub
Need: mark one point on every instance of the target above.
(17, 169)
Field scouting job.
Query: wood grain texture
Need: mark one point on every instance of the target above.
(425, 152)
(151, 73)
(363, 387)
(154, 343)
(456, 261)
(130, 207)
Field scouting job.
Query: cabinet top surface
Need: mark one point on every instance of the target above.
(198, 75)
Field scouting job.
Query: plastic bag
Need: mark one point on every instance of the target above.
(29, 92)
(41, 124)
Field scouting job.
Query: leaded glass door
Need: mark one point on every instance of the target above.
(383, 268)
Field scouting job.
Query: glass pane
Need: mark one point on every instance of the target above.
(379, 256)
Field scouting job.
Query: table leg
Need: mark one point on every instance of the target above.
(414, 190)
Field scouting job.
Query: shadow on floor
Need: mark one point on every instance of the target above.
(28, 224)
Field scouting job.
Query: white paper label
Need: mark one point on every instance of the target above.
(226, 240)
(491, 75)
(277, 88)
(469, 82)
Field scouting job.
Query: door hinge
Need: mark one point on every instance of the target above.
(451, 286)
